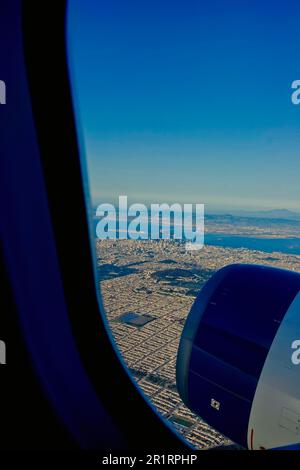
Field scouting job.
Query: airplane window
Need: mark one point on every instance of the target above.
(181, 104)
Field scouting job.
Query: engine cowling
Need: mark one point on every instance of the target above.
(238, 364)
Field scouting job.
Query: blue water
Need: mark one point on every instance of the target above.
(268, 245)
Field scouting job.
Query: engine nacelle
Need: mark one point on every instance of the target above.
(238, 364)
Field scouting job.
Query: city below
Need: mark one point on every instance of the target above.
(148, 288)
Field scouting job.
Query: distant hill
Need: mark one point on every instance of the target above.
(268, 214)
(271, 214)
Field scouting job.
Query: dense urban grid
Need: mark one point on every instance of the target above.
(148, 288)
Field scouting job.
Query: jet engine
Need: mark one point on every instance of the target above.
(238, 364)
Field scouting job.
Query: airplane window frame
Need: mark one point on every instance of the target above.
(49, 85)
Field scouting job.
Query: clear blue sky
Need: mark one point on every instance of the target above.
(189, 101)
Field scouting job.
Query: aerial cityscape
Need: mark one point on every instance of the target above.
(148, 288)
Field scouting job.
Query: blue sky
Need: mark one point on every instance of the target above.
(189, 101)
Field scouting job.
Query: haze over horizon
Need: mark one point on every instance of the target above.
(189, 101)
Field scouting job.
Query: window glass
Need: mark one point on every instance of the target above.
(184, 102)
